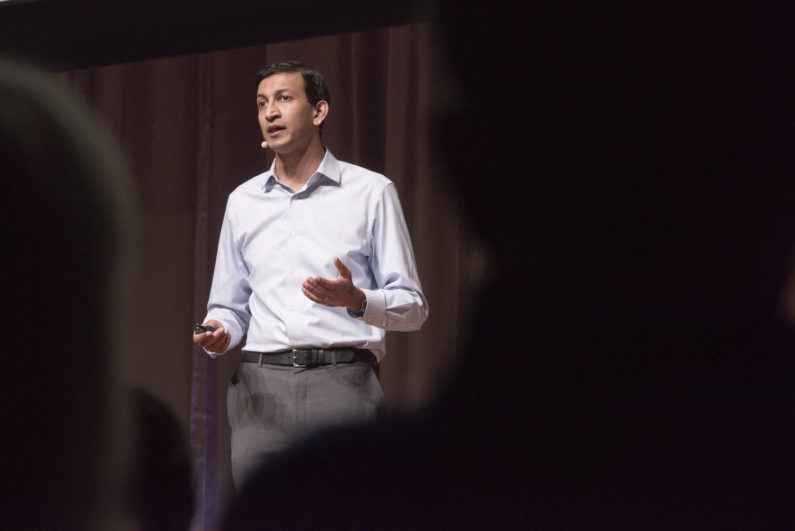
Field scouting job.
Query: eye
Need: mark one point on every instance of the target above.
(261, 104)
(285, 97)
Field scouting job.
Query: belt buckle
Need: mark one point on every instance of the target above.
(294, 353)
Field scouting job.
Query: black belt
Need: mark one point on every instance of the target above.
(310, 357)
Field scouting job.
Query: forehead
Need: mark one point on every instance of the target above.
(292, 81)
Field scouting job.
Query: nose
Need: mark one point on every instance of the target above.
(271, 111)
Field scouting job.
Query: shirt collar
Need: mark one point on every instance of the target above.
(329, 170)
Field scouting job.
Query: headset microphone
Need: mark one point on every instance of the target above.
(264, 145)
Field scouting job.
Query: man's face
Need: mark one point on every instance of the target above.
(288, 121)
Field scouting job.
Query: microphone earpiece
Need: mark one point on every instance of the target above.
(264, 145)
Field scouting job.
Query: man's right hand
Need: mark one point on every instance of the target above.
(215, 342)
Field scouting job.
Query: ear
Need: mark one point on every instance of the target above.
(320, 112)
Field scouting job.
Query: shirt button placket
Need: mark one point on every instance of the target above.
(293, 291)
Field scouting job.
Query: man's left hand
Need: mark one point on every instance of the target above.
(338, 292)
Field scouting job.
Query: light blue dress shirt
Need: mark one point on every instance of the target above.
(273, 238)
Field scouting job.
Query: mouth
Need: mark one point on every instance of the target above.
(275, 129)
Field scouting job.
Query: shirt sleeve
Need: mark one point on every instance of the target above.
(398, 302)
(230, 291)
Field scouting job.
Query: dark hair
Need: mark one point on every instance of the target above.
(314, 83)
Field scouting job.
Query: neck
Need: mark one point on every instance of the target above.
(294, 169)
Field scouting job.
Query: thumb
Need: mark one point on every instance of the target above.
(342, 268)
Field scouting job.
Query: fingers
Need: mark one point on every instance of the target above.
(342, 268)
(217, 341)
(330, 292)
(223, 344)
(321, 284)
(311, 294)
(315, 292)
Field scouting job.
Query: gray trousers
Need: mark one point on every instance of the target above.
(270, 406)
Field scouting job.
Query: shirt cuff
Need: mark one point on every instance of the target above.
(375, 309)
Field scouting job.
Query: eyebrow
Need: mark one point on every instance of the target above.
(279, 91)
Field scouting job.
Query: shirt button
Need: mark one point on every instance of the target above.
(292, 272)
(295, 342)
(292, 308)
(292, 234)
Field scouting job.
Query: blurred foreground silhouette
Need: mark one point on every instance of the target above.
(628, 363)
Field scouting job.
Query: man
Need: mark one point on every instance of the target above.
(312, 344)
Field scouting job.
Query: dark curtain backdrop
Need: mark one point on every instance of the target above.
(188, 127)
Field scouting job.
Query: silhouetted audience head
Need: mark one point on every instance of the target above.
(629, 364)
(636, 194)
(67, 225)
(162, 494)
